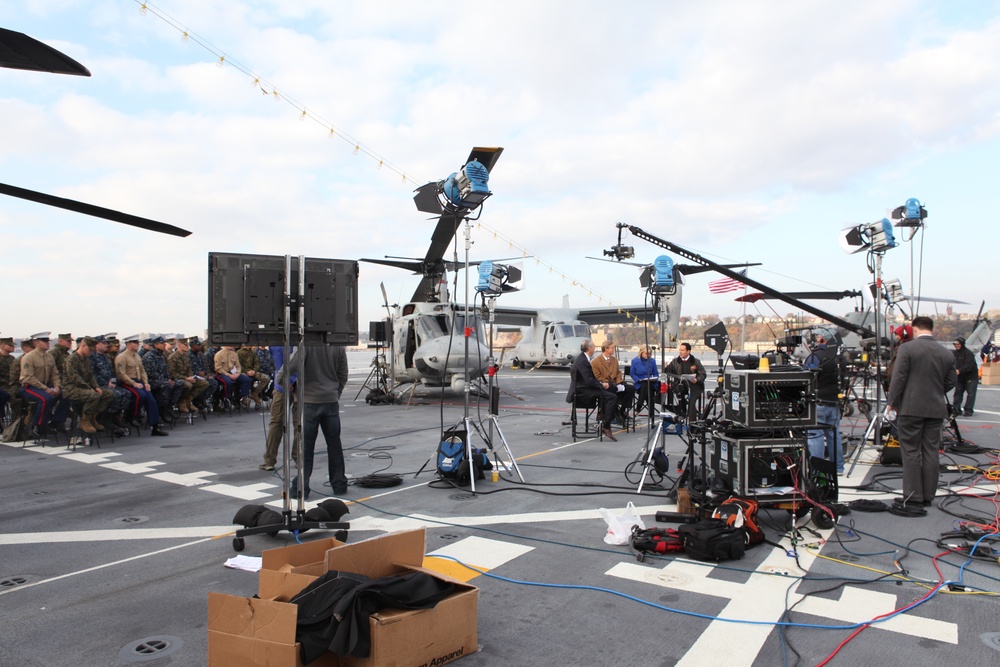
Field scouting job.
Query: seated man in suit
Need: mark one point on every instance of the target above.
(606, 369)
(582, 383)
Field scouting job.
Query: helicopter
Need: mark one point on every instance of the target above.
(433, 340)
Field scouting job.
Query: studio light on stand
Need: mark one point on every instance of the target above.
(876, 238)
(494, 280)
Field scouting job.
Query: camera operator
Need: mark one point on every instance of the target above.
(824, 442)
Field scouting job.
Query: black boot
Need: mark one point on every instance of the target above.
(158, 430)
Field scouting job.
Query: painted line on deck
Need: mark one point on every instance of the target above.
(110, 535)
(105, 565)
(478, 552)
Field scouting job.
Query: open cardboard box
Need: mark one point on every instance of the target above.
(258, 632)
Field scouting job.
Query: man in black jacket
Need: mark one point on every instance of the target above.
(968, 378)
(923, 373)
(824, 442)
(584, 385)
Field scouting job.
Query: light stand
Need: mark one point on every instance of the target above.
(874, 430)
(291, 521)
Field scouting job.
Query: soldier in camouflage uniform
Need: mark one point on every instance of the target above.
(200, 367)
(179, 366)
(6, 360)
(79, 384)
(18, 406)
(104, 373)
(266, 362)
(166, 391)
(61, 350)
(251, 368)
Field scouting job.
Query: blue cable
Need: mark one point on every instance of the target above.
(708, 617)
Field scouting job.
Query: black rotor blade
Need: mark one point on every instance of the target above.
(18, 51)
(90, 209)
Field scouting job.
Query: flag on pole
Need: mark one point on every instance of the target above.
(724, 285)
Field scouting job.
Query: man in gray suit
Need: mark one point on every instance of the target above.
(923, 373)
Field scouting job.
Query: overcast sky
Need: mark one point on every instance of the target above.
(746, 131)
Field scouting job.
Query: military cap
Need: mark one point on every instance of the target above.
(7, 341)
(131, 339)
(26, 342)
(79, 338)
(194, 340)
(89, 341)
(42, 335)
(111, 335)
(66, 337)
(183, 341)
(114, 341)
(156, 339)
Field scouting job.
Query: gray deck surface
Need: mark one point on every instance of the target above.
(105, 547)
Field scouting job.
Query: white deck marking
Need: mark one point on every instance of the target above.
(190, 479)
(117, 534)
(103, 457)
(481, 552)
(248, 492)
(134, 468)
(760, 599)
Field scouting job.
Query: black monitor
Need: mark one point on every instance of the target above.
(246, 300)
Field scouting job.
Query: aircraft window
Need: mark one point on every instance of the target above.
(432, 326)
(572, 331)
(476, 323)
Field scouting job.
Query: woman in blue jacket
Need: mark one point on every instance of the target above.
(646, 376)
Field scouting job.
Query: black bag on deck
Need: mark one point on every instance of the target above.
(712, 540)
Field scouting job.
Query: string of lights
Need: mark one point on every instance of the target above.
(304, 113)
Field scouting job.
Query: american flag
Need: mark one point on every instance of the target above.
(724, 285)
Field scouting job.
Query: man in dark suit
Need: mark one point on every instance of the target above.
(582, 383)
(923, 373)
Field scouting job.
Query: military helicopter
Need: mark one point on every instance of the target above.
(19, 51)
(428, 338)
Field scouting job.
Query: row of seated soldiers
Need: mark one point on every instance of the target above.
(163, 376)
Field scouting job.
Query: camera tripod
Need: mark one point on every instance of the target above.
(377, 382)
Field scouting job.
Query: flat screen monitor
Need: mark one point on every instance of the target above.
(246, 300)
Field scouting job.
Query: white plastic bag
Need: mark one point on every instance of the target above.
(620, 527)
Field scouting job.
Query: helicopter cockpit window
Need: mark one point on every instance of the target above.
(474, 321)
(431, 326)
(572, 331)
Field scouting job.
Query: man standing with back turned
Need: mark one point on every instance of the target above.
(322, 376)
(924, 371)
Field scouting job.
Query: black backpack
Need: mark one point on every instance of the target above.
(712, 540)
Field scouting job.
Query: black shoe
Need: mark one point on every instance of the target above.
(38, 434)
(158, 430)
(609, 435)
(967, 413)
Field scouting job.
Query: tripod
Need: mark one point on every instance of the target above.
(377, 382)
(874, 430)
(494, 393)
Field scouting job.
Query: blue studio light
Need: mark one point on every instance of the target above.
(664, 268)
(880, 236)
(913, 209)
(469, 187)
(485, 277)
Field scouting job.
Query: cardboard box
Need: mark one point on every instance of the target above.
(991, 374)
(249, 632)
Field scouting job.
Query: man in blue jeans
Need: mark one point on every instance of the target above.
(322, 376)
(824, 442)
